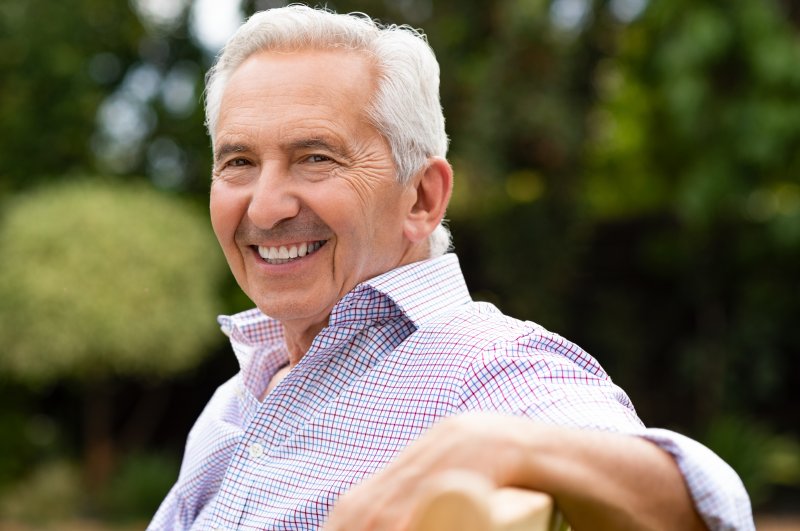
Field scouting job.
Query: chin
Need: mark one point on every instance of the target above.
(289, 311)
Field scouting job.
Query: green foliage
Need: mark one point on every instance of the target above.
(761, 458)
(16, 444)
(783, 462)
(51, 492)
(53, 77)
(99, 278)
(87, 88)
(699, 116)
(139, 486)
(696, 139)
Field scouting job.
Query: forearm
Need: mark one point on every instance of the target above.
(599, 480)
(605, 480)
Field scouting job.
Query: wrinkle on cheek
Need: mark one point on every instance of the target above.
(216, 179)
(365, 186)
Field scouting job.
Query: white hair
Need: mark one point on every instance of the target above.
(405, 109)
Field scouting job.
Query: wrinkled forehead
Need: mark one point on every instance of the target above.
(329, 60)
(333, 55)
(316, 93)
(320, 72)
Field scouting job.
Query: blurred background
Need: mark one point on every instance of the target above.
(627, 175)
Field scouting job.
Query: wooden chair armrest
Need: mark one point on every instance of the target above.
(463, 501)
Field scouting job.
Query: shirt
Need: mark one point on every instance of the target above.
(400, 352)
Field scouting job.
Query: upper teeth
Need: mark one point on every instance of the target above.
(285, 253)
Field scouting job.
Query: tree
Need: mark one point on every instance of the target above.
(695, 153)
(95, 87)
(101, 279)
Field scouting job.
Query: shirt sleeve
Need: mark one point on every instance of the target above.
(718, 493)
(548, 379)
(209, 447)
(172, 514)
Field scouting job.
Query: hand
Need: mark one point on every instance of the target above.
(489, 445)
(599, 480)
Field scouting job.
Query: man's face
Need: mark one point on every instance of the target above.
(304, 197)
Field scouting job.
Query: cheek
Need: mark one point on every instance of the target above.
(226, 215)
(391, 210)
(225, 212)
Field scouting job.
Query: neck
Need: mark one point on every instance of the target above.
(299, 338)
(299, 335)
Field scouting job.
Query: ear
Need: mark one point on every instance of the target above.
(432, 187)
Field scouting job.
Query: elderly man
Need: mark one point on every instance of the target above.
(366, 368)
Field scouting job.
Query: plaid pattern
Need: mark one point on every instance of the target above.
(400, 352)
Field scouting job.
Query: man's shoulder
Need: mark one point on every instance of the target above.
(483, 334)
(479, 325)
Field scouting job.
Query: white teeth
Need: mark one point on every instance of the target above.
(282, 254)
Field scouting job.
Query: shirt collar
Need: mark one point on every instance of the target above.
(250, 327)
(418, 291)
(422, 290)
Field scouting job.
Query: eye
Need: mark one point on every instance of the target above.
(237, 162)
(316, 157)
(228, 169)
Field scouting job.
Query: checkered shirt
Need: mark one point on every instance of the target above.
(400, 352)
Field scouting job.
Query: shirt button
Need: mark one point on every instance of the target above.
(255, 450)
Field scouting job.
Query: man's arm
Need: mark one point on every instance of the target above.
(599, 480)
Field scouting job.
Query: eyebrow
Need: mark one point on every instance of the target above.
(317, 142)
(227, 149)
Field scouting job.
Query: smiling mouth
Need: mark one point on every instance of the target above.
(288, 253)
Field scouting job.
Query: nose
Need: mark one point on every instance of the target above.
(273, 199)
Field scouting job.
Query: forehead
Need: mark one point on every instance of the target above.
(329, 83)
(306, 63)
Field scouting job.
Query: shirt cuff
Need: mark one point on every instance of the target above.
(718, 493)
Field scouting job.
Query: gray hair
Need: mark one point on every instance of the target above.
(406, 108)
